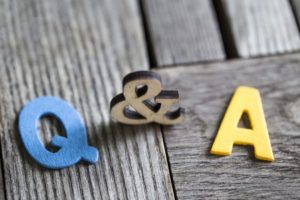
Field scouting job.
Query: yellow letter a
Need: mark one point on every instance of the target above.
(245, 100)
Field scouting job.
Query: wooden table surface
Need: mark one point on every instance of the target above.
(80, 51)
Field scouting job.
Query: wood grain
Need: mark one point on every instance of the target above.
(296, 8)
(205, 91)
(183, 31)
(262, 27)
(2, 183)
(79, 51)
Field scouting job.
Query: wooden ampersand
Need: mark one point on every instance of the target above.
(143, 101)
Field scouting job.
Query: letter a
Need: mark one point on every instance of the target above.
(245, 100)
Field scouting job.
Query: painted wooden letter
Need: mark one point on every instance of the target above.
(245, 100)
(73, 148)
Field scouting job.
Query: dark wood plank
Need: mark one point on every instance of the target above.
(296, 6)
(262, 27)
(183, 31)
(79, 51)
(205, 91)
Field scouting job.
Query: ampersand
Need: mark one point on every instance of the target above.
(143, 101)
(73, 148)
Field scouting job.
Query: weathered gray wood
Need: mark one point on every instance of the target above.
(2, 187)
(296, 7)
(77, 50)
(205, 91)
(183, 31)
(262, 27)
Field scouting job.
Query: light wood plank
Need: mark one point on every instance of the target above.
(77, 50)
(183, 31)
(205, 91)
(262, 27)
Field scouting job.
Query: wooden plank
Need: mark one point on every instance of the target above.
(79, 51)
(296, 7)
(2, 187)
(205, 91)
(183, 31)
(262, 27)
